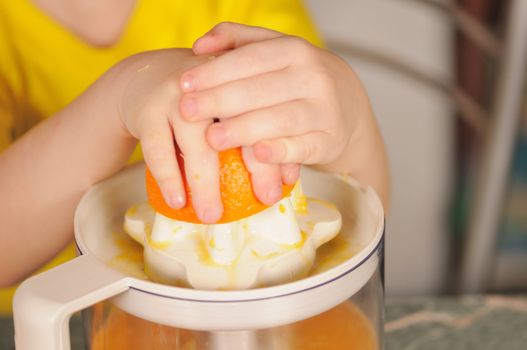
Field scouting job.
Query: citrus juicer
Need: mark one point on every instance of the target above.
(224, 319)
(274, 246)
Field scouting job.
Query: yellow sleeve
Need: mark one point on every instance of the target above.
(7, 75)
(286, 16)
(6, 117)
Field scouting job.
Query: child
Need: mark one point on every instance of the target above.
(284, 100)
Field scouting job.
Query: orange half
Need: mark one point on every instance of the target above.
(239, 200)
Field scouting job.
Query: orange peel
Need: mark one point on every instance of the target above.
(237, 195)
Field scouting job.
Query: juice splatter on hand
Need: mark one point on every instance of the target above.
(238, 198)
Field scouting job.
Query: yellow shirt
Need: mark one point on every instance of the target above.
(43, 66)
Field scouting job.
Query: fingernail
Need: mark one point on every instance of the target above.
(187, 83)
(189, 106)
(198, 42)
(175, 200)
(211, 215)
(274, 194)
(218, 136)
(210, 34)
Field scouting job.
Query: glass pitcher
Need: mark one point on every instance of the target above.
(338, 306)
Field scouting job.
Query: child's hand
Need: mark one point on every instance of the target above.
(149, 111)
(293, 102)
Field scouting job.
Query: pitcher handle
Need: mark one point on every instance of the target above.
(44, 303)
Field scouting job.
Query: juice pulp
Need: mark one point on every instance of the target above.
(343, 327)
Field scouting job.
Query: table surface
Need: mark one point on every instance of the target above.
(468, 322)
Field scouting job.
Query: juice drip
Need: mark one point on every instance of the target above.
(343, 327)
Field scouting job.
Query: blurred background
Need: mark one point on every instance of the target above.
(446, 80)
(447, 83)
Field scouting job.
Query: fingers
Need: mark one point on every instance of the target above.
(241, 96)
(246, 61)
(157, 143)
(227, 35)
(294, 118)
(315, 147)
(201, 168)
(265, 178)
(203, 180)
(266, 91)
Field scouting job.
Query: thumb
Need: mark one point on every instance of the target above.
(228, 35)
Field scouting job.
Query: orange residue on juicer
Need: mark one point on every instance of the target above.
(129, 249)
(238, 198)
(333, 253)
(129, 258)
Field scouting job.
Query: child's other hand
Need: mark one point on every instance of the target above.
(149, 112)
(292, 102)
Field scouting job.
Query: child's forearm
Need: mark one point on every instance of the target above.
(45, 172)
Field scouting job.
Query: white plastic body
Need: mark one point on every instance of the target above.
(44, 303)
